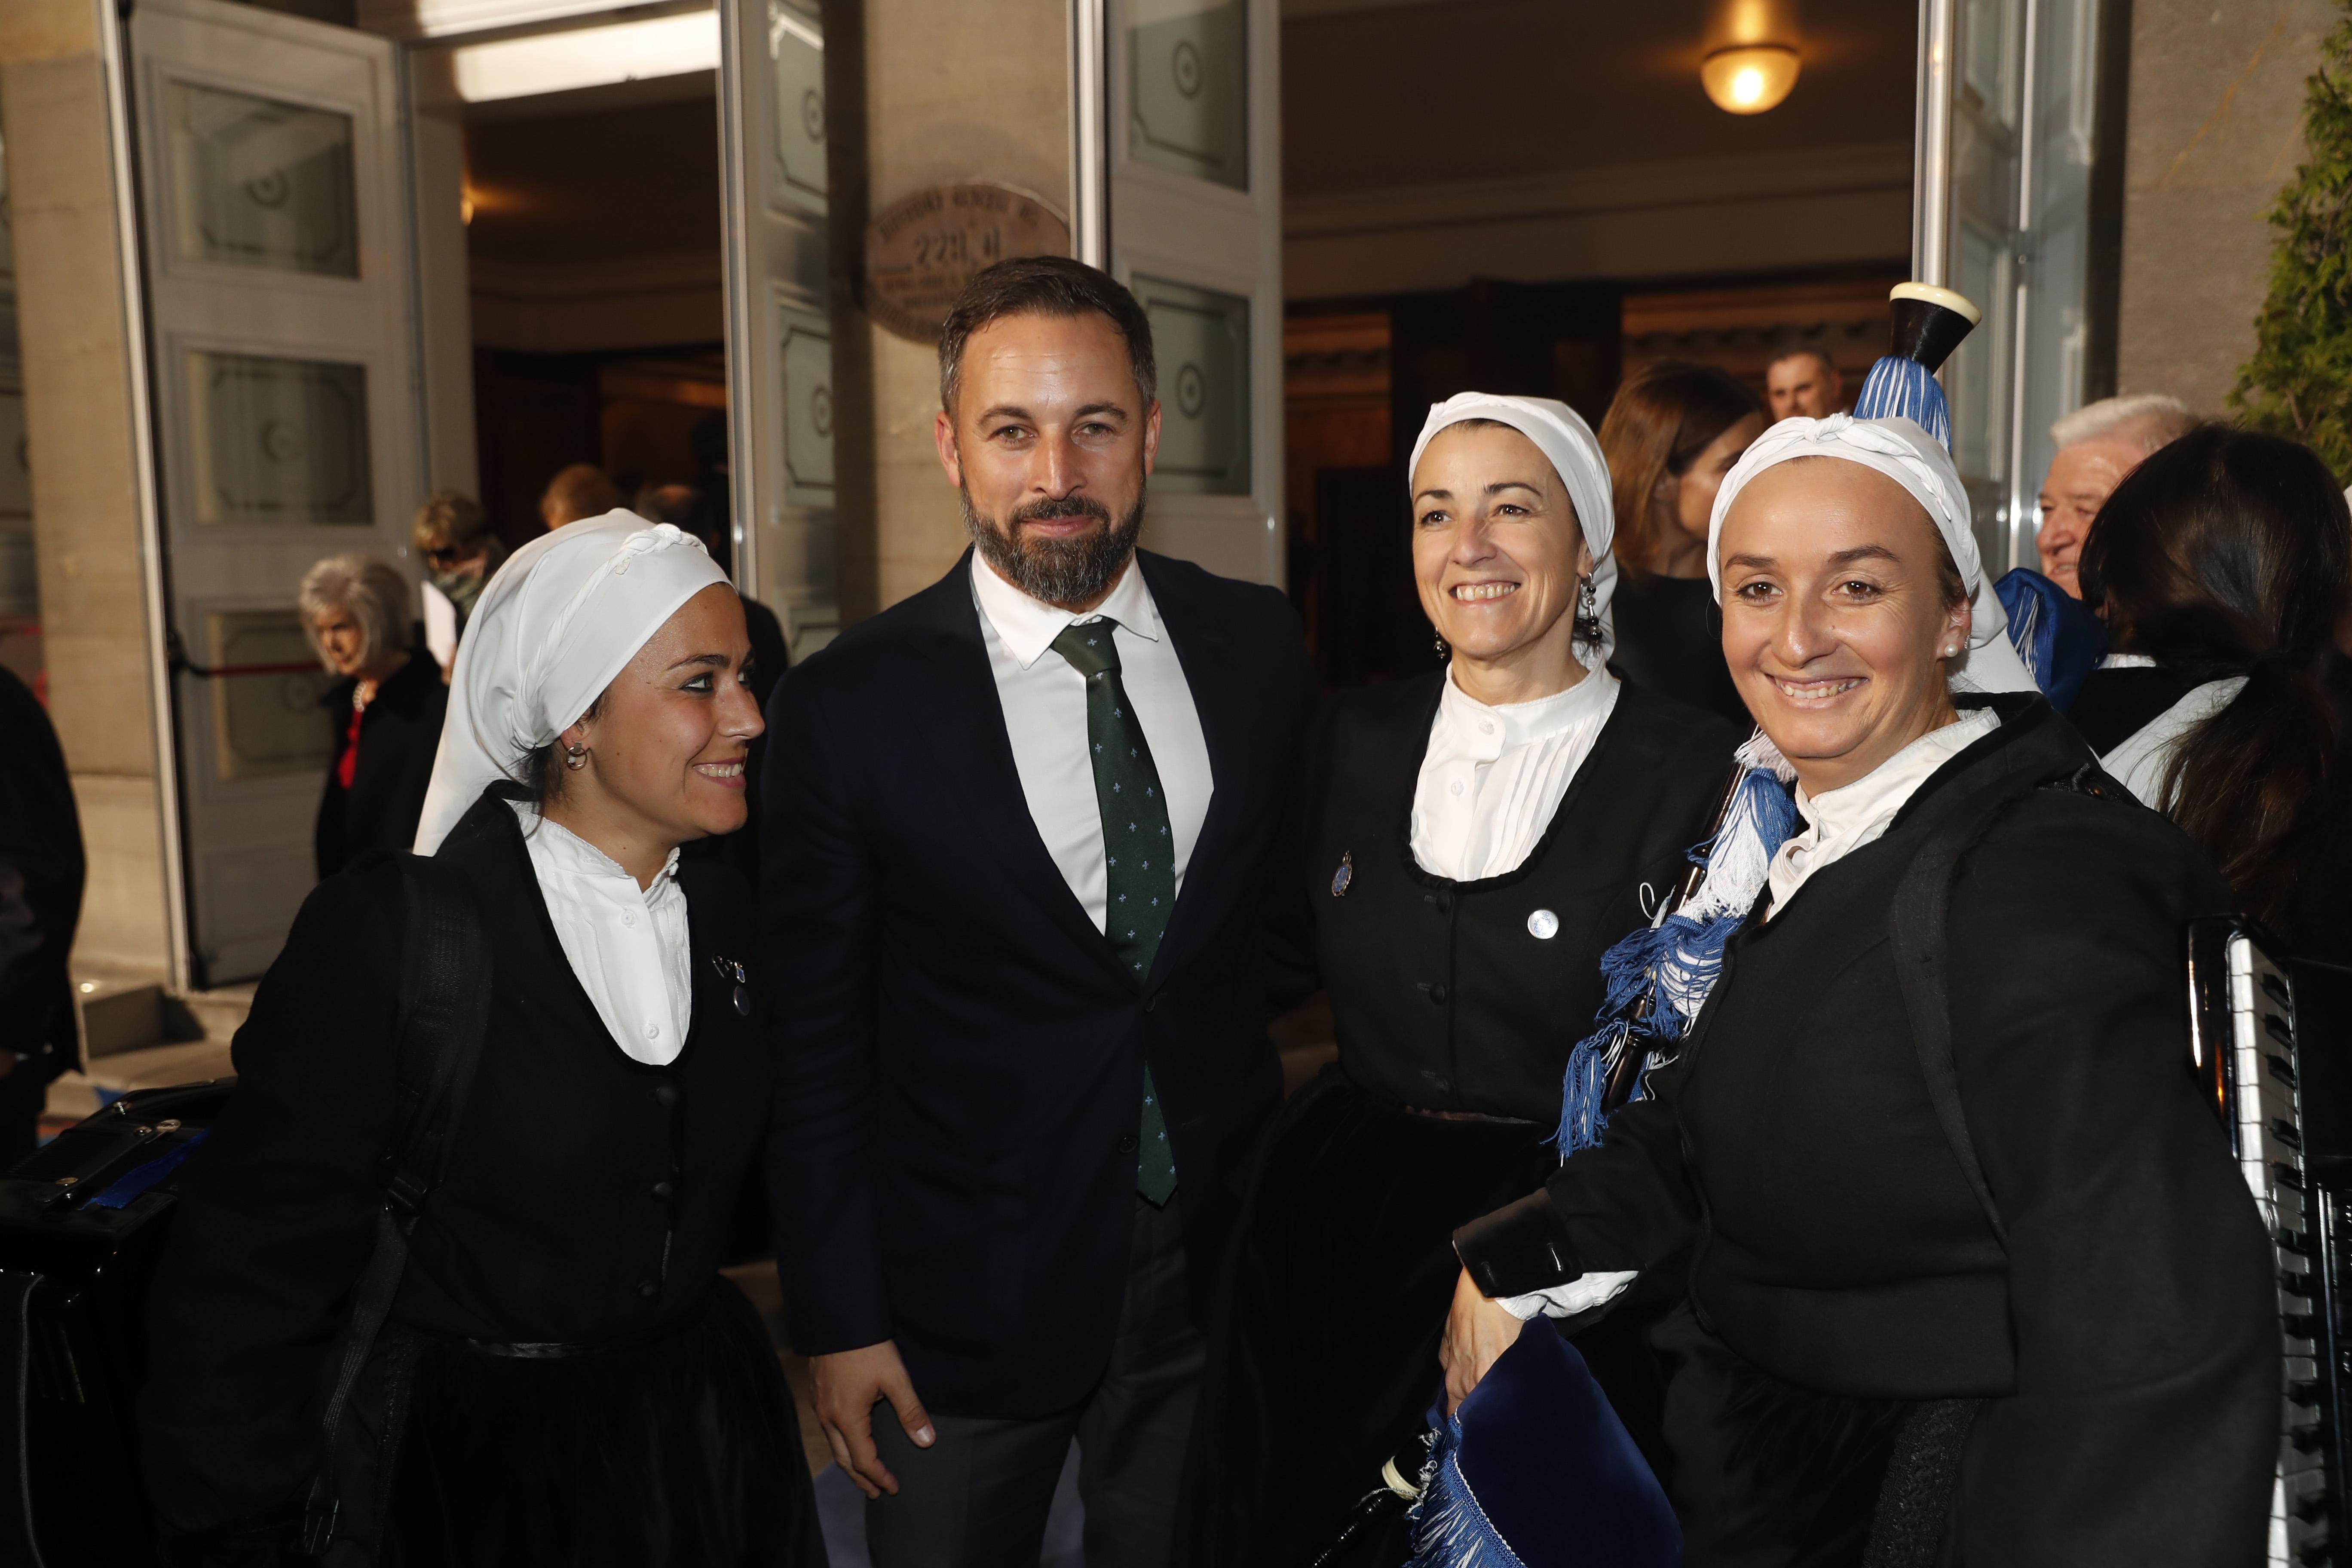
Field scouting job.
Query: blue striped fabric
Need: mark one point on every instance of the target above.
(1903, 389)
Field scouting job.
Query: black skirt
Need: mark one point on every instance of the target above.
(1766, 1474)
(1323, 1354)
(684, 1450)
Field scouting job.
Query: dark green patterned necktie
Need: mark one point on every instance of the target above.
(1138, 852)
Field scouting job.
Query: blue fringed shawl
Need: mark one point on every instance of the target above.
(1659, 976)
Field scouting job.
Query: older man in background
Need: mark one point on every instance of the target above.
(1802, 383)
(2098, 444)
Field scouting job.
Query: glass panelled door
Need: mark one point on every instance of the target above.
(1193, 136)
(779, 339)
(2007, 174)
(281, 316)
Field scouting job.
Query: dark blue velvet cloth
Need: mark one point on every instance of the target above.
(1537, 1462)
(2055, 633)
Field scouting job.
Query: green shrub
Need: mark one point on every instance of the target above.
(2299, 382)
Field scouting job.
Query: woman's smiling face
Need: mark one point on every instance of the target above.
(1838, 615)
(1497, 553)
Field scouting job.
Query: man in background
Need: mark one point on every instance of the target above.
(689, 511)
(1802, 383)
(581, 492)
(2098, 444)
(460, 548)
(41, 875)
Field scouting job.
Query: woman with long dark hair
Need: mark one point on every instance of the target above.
(2222, 567)
(1672, 432)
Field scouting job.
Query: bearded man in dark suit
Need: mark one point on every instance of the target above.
(1018, 829)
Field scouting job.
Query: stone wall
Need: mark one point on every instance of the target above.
(954, 91)
(81, 446)
(2216, 129)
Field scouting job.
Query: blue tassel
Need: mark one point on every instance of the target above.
(1449, 1528)
(1672, 963)
(1906, 389)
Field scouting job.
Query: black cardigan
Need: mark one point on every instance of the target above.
(587, 1199)
(399, 734)
(1791, 1171)
(1443, 994)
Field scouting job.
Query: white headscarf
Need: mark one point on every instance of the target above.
(1561, 434)
(1917, 462)
(564, 616)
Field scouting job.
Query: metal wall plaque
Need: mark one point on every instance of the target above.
(921, 252)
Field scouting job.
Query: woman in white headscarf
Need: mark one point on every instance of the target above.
(564, 1376)
(1963, 1269)
(1463, 847)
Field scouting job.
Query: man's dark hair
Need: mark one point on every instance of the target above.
(1043, 285)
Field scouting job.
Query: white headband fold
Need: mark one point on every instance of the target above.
(1917, 462)
(1561, 434)
(563, 615)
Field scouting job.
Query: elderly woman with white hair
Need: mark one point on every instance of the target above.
(1965, 1271)
(1463, 847)
(533, 1355)
(386, 705)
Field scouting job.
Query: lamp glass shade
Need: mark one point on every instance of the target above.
(1749, 79)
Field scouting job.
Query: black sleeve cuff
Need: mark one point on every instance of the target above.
(1522, 1247)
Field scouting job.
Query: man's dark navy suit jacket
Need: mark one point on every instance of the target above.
(959, 1054)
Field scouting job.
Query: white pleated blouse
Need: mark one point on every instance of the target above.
(1493, 776)
(627, 945)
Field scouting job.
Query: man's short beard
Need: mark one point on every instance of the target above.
(1063, 572)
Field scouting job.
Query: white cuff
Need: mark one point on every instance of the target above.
(1580, 1294)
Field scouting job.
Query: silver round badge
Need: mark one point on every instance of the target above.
(1543, 925)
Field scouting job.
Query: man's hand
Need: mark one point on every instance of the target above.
(848, 1385)
(1476, 1331)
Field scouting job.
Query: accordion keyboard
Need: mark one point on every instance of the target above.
(2242, 1039)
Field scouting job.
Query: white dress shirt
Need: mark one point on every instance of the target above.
(1045, 701)
(627, 945)
(1840, 821)
(1493, 776)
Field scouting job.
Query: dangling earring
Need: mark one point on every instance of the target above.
(1587, 614)
(575, 757)
(1442, 651)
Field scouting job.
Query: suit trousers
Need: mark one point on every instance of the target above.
(978, 1497)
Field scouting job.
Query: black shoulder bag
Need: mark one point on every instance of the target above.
(444, 1002)
(1923, 1471)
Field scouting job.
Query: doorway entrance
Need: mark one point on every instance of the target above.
(410, 256)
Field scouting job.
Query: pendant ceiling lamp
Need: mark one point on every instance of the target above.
(1749, 54)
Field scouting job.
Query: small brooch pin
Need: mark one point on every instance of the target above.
(730, 969)
(1345, 877)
